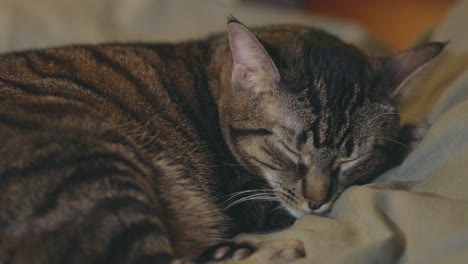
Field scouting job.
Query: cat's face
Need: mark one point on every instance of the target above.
(310, 156)
(323, 118)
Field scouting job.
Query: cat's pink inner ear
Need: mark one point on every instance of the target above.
(250, 59)
(242, 72)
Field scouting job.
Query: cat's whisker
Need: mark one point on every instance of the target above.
(268, 199)
(279, 191)
(244, 200)
(232, 195)
(243, 165)
(280, 206)
(388, 139)
(236, 194)
(394, 113)
(275, 181)
(253, 197)
(278, 183)
(260, 183)
(265, 185)
(247, 191)
(293, 198)
(379, 115)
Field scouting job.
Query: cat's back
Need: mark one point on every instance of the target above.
(153, 85)
(98, 95)
(116, 76)
(113, 109)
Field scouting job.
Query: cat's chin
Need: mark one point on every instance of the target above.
(324, 209)
(298, 213)
(321, 211)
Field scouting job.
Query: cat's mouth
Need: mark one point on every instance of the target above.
(323, 209)
(304, 208)
(294, 201)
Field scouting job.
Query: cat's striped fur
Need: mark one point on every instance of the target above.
(119, 153)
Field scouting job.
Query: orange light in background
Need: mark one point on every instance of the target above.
(396, 23)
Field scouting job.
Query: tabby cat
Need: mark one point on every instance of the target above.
(145, 153)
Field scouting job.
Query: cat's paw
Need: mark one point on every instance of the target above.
(273, 252)
(226, 251)
(278, 252)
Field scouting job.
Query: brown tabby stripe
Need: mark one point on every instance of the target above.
(88, 176)
(180, 100)
(67, 78)
(344, 137)
(122, 242)
(135, 115)
(264, 163)
(313, 97)
(16, 122)
(57, 159)
(118, 70)
(314, 128)
(131, 234)
(34, 166)
(33, 90)
(278, 162)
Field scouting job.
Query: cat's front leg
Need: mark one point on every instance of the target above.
(226, 251)
(259, 216)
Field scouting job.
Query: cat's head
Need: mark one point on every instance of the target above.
(311, 114)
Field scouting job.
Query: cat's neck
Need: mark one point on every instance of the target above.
(215, 56)
(209, 62)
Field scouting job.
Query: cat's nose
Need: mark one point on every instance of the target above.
(314, 205)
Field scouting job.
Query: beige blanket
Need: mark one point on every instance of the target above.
(421, 219)
(26, 24)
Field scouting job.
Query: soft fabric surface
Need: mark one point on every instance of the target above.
(417, 212)
(26, 24)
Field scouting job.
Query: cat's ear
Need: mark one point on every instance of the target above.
(252, 67)
(402, 67)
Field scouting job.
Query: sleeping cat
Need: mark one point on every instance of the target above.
(154, 153)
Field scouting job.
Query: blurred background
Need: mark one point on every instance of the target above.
(396, 23)
(379, 25)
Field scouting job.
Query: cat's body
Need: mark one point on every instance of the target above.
(116, 153)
